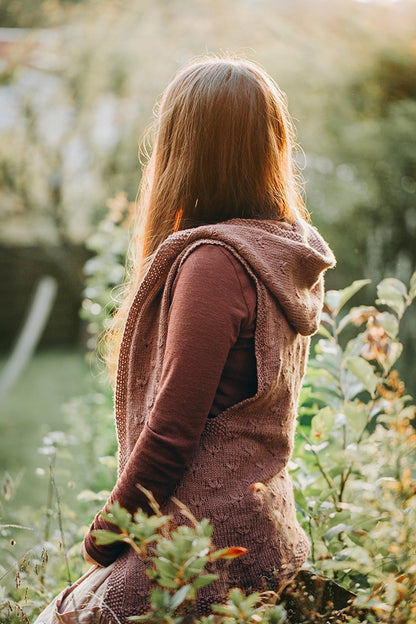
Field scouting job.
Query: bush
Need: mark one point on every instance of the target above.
(354, 465)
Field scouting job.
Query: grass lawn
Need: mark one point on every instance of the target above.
(32, 409)
(57, 403)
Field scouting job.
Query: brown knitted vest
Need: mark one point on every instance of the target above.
(250, 442)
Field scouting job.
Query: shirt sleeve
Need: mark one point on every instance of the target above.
(208, 308)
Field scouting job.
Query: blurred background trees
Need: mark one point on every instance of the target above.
(78, 83)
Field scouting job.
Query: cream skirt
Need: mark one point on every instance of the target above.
(81, 603)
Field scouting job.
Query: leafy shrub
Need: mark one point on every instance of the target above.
(354, 465)
(179, 556)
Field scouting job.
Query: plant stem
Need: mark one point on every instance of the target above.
(61, 530)
(318, 463)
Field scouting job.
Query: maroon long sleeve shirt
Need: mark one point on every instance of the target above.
(209, 364)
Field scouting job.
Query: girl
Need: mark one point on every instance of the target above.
(226, 289)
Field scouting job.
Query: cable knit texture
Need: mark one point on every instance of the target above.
(250, 442)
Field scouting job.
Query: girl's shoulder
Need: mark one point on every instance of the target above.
(219, 272)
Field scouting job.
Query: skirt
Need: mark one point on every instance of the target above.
(82, 602)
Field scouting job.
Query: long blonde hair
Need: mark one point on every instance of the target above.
(222, 149)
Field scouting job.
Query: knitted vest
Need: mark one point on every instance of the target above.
(251, 442)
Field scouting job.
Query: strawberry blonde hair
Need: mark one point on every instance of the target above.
(222, 149)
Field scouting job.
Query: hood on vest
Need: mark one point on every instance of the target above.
(289, 259)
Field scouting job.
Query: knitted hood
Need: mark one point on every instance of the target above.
(289, 259)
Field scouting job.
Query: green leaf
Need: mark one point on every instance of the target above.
(276, 615)
(156, 522)
(364, 372)
(204, 528)
(236, 596)
(336, 530)
(322, 424)
(389, 323)
(305, 393)
(118, 515)
(160, 598)
(301, 502)
(179, 597)
(194, 570)
(357, 416)
(348, 292)
(206, 579)
(106, 537)
(322, 331)
(412, 288)
(339, 464)
(392, 292)
(165, 581)
(336, 299)
(332, 299)
(164, 566)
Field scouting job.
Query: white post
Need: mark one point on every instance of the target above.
(30, 334)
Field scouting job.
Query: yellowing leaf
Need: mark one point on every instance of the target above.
(230, 553)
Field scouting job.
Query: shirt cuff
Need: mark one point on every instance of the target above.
(103, 554)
